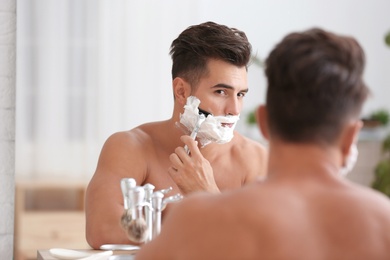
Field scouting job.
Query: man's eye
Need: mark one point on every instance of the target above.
(220, 91)
(241, 94)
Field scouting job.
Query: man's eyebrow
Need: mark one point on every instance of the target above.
(221, 85)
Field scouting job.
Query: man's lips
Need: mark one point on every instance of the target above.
(230, 125)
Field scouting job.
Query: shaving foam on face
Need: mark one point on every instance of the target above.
(350, 161)
(212, 129)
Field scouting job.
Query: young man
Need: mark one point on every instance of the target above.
(210, 65)
(304, 209)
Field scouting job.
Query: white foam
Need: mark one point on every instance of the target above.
(212, 129)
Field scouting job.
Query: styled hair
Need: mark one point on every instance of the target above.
(315, 86)
(191, 50)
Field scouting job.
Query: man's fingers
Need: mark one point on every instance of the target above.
(191, 144)
(175, 160)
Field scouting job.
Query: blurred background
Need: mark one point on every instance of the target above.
(89, 68)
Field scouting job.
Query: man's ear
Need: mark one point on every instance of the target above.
(181, 90)
(261, 114)
(350, 136)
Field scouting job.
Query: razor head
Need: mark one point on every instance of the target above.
(204, 112)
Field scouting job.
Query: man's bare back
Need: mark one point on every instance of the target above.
(310, 215)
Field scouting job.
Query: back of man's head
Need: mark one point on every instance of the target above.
(197, 44)
(315, 86)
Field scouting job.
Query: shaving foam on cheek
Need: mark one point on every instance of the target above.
(191, 113)
(212, 129)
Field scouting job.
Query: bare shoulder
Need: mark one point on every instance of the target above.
(203, 222)
(137, 141)
(187, 221)
(124, 154)
(374, 199)
(222, 217)
(134, 138)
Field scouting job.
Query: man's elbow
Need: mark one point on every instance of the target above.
(94, 239)
(98, 235)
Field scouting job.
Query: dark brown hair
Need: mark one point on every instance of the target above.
(199, 43)
(315, 86)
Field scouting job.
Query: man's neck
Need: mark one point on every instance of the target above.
(300, 160)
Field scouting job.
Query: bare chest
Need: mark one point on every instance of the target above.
(227, 172)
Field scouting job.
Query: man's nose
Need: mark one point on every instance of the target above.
(233, 107)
